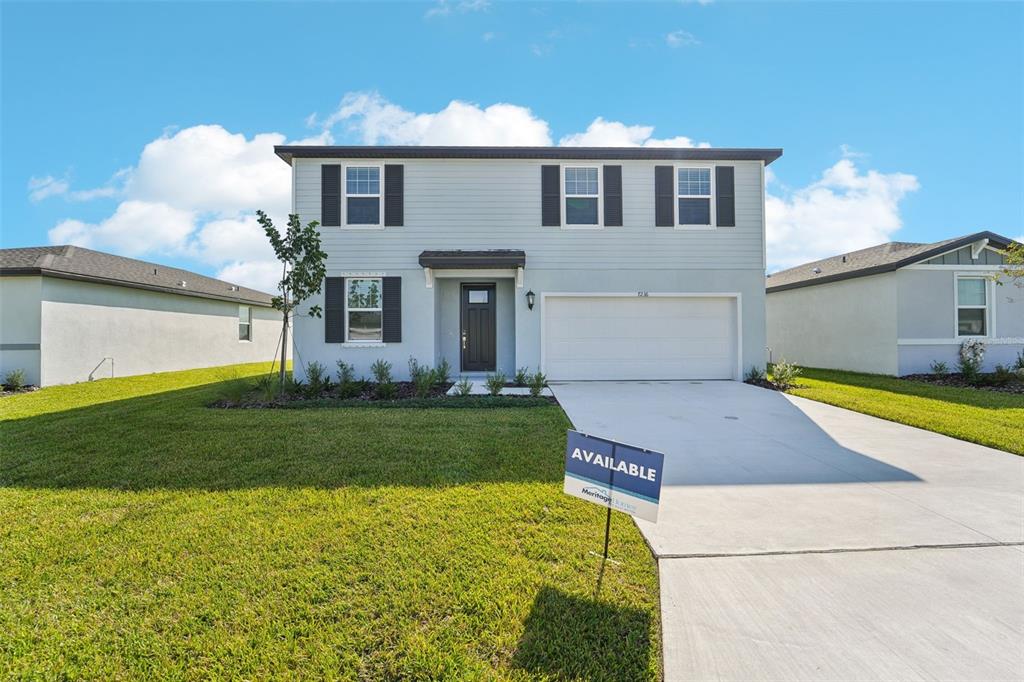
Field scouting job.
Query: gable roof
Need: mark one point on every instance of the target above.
(288, 152)
(77, 263)
(872, 261)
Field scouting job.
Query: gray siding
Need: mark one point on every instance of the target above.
(963, 257)
(480, 204)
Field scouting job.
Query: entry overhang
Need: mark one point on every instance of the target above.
(494, 262)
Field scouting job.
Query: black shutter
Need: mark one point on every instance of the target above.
(392, 306)
(394, 195)
(725, 196)
(330, 195)
(334, 310)
(613, 196)
(550, 196)
(664, 197)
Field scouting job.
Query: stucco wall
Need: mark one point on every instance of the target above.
(422, 306)
(143, 331)
(19, 326)
(927, 319)
(844, 325)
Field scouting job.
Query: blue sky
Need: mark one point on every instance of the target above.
(898, 121)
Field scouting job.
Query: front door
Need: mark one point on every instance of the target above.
(478, 333)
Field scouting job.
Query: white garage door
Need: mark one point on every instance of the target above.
(633, 337)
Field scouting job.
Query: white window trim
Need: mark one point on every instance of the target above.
(345, 195)
(240, 306)
(600, 197)
(989, 311)
(350, 342)
(711, 198)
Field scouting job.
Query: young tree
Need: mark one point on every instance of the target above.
(302, 270)
(1013, 270)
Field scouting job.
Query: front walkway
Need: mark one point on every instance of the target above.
(797, 540)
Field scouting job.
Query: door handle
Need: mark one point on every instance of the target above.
(463, 340)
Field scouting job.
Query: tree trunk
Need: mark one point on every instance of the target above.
(284, 337)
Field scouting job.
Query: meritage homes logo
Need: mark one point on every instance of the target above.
(614, 475)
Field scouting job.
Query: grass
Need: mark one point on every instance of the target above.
(983, 417)
(143, 535)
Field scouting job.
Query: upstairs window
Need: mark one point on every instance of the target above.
(364, 310)
(694, 196)
(362, 195)
(971, 306)
(581, 196)
(244, 323)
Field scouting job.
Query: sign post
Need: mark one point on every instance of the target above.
(613, 475)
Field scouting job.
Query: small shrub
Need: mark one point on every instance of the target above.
(495, 382)
(317, 380)
(755, 374)
(346, 372)
(939, 368)
(381, 370)
(291, 386)
(464, 387)
(536, 382)
(443, 372)
(15, 380)
(522, 376)
(232, 387)
(1018, 364)
(386, 390)
(423, 382)
(266, 388)
(972, 355)
(784, 374)
(1002, 376)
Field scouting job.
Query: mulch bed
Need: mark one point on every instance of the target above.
(4, 391)
(958, 381)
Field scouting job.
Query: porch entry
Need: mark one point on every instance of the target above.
(478, 332)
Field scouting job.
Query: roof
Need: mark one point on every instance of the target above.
(495, 258)
(288, 152)
(77, 263)
(872, 261)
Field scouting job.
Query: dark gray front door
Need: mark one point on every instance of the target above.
(479, 351)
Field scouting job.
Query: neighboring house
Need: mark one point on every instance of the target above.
(896, 308)
(588, 263)
(69, 314)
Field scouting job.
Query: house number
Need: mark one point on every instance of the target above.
(642, 293)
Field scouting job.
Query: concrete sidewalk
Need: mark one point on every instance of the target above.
(784, 535)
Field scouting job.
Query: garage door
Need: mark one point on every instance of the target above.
(633, 337)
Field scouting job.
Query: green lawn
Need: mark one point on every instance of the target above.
(985, 417)
(143, 535)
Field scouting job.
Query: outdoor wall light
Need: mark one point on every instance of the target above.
(530, 298)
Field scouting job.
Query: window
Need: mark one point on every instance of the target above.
(244, 323)
(362, 195)
(694, 191)
(971, 306)
(364, 314)
(581, 194)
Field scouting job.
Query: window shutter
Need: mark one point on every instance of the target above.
(394, 195)
(330, 195)
(613, 196)
(725, 196)
(334, 310)
(664, 197)
(551, 196)
(392, 307)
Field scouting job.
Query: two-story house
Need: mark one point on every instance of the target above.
(588, 263)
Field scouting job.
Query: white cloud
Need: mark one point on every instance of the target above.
(45, 187)
(375, 120)
(444, 8)
(488, 36)
(680, 38)
(262, 275)
(602, 133)
(843, 211)
(135, 228)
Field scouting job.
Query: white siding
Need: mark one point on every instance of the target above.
(485, 204)
(143, 331)
(844, 325)
(19, 326)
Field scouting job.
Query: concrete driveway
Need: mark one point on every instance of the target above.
(797, 540)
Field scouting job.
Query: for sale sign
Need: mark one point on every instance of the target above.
(623, 477)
